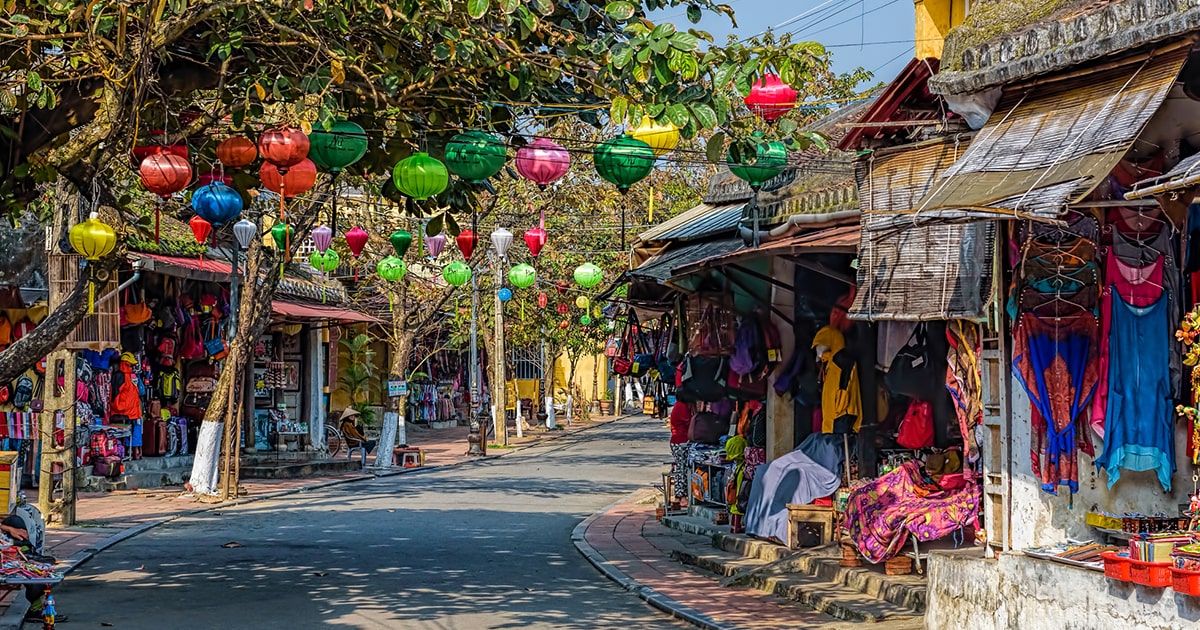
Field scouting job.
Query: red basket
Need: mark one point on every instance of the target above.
(1185, 582)
(1153, 574)
(1116, 567)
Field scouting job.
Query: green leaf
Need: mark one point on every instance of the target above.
(715, 147)
(662, 71)
(820, 141)
(722, 74)
(19, 18)
(435, 225)
(527, 19)
(659, 45)
(694, 14)
(654, 110)
(666, 29)
(705, 117)
(678, 115)
(685, 41)
(34, 81)
(617, 110)
(514, 82)
(476, 8)
(622, 54)
(441, 51)
(643, 55)
(620, 10)
(508, 6)
(544, 7)
(582, 10)
(688, 68)
(787, 126)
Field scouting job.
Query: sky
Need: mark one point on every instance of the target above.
(873, 34)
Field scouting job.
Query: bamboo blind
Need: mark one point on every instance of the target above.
(97, 331)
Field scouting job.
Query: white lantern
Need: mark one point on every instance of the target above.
(502, 239)
(244, 231)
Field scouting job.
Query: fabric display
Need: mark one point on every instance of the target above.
(19, 425)
(808, 473)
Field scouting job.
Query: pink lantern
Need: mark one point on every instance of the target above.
(771, 98)
(535, 238)
(322, 237)
(356, 239)
(436, 244)
(542, 162)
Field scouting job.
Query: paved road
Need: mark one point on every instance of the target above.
(484, 545)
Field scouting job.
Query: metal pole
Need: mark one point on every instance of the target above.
(499, 387)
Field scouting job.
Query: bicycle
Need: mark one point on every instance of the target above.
(334, 442)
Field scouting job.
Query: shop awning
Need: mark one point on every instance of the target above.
(319, 312)
(1048, 145)
(661, 266)
(700, 222)
(203, 269)
(841, 239)
(1186, 174)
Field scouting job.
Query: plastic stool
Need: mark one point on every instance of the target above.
(409, 457)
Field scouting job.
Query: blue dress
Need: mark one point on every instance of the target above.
(1139, 431)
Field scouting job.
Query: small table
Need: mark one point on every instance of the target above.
(818, 517)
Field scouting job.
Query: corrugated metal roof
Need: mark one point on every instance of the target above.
(1049, 145)
(702, 221)
(660, 267)
(835, 239)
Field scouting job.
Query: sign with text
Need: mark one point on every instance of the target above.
(397, 389)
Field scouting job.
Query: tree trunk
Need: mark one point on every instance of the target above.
(394, 428)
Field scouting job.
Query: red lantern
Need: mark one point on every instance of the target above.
(284, 147)
(562, 287)
(296, 180)
(543, 300)
(535, 238)
(165, 174)
(771, 98)
(141, 153)
(208, 177)
(467, 241)
(563, 309)
(200, 228)
(356, 238)
(564, 324)
(236, 152)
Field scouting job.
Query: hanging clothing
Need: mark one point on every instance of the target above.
(964, 380)
(1053, 360)
(125, 401)
(735, 451)
(840, 395)
(1141, 253)
(1139, 432)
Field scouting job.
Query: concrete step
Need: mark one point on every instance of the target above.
(292, 470)
(139, 480)
(159, 463)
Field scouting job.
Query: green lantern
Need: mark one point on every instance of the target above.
(588, 275)
(420, 176)
(391, 269)
(522, 276)
(283, 234)
(623, 161)
(475, 155)
(401, 239)
(770, 161)
(342, 145)
(326, 262)
(456, 273)
(585, 320)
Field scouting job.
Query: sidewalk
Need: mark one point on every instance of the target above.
(105, 519)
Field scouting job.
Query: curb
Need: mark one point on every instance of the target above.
(13, 617)
(647, 594)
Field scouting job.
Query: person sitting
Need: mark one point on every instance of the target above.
(27, 531)
(352, 433)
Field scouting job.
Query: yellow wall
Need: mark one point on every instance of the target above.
(935, 18)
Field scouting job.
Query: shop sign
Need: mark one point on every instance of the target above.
(397, 389)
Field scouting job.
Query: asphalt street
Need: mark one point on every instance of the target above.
(481, 545)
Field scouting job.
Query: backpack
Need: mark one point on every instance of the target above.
(22, 392)
(105, 444)
(166, 349)
(168, 386)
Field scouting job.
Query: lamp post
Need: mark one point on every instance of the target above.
(244, 232)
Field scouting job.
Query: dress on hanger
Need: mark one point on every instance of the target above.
(840, 395)
(1140, 253)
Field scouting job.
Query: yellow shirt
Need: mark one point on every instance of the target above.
(836, 401)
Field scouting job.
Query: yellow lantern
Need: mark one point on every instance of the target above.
(661, 138)
(93, 239)
(581, 302)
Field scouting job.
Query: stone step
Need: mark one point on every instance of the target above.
(139, 480)
(292, 470)
(159, 463)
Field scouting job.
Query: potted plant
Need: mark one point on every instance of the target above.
(606, 404)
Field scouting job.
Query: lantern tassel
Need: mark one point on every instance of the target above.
(157, 221)
(391, 302)
(650, 205)
(91, 297)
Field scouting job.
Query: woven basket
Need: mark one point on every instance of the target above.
(900, 565)
(850, 557)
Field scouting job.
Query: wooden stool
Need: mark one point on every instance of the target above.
(408, 457)
(818, 517)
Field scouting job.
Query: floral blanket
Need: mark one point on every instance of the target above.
(881, 514)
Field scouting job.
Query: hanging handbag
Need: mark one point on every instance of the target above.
(666, 368)
(215, 346)
(643, 360)
(911, 373)
(622, 363)
(703, 379)
(190, 344)
(707, 428)
(916, 429)
(135, 312)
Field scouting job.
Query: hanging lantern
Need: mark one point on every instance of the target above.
(770, 161)
(770, 97)
(283, 147)
(661, 138)
(325, 262)
(391, 269)
(466, 240)
(562, 309)
(564, 324)
(342, 145)
(282, 234)
(535, 239)
(588, 275)
(401, 240)
(420, 176)
(542, 162)
(245, 231)
(581, 302)
(296, 180)
(505, 294)
(502, 240)
(200, 229)
(522, 276)
(585, 320)
(475, 156)
(208, 177)
(141, 153)
(236, 152)
(435, 244)
(623, 161)
(561, 286)
(356, 240)
(217, 203)
(93, 239)
(322, 237)
(456, 273)
(543, 300)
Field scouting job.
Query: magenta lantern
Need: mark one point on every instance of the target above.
(356, 239)
(542, 162)
(535, 238)
(771, 98)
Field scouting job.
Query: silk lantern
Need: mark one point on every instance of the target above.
(561, 286)
(283, 147)
(770, 97)
(770, 160)
(217, 203)
(282, 234)
(420, 176)
(342, 145)
(93, 239)
(535, 238)
(522, 276)
(201, 228)
(505, 294)
(564, 324)
(623, 161)
(586, 320)
(245, 231)
(501, 240)
(142, 152)
(236, 152)
(542, 162)
(456, 273)
(326, 261)
(356, 240)
(436, 244)
(662, 138)
(466, 240)
(581, 302)
(296, 180)
(208, 177)
(322, 237)
(475, 156)
(588, 275)
(401, 240)
(543, 300)
(562, 309)
(391, 269)
(164, 174)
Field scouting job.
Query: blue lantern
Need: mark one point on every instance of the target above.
(504, 294)
(217, 203)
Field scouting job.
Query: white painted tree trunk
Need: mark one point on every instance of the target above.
(550, 412)
(387, 440)
(520, 419)
(208, 451)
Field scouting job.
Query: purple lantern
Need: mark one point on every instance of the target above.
(436, 244)
(322, 236)
(542, 162)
